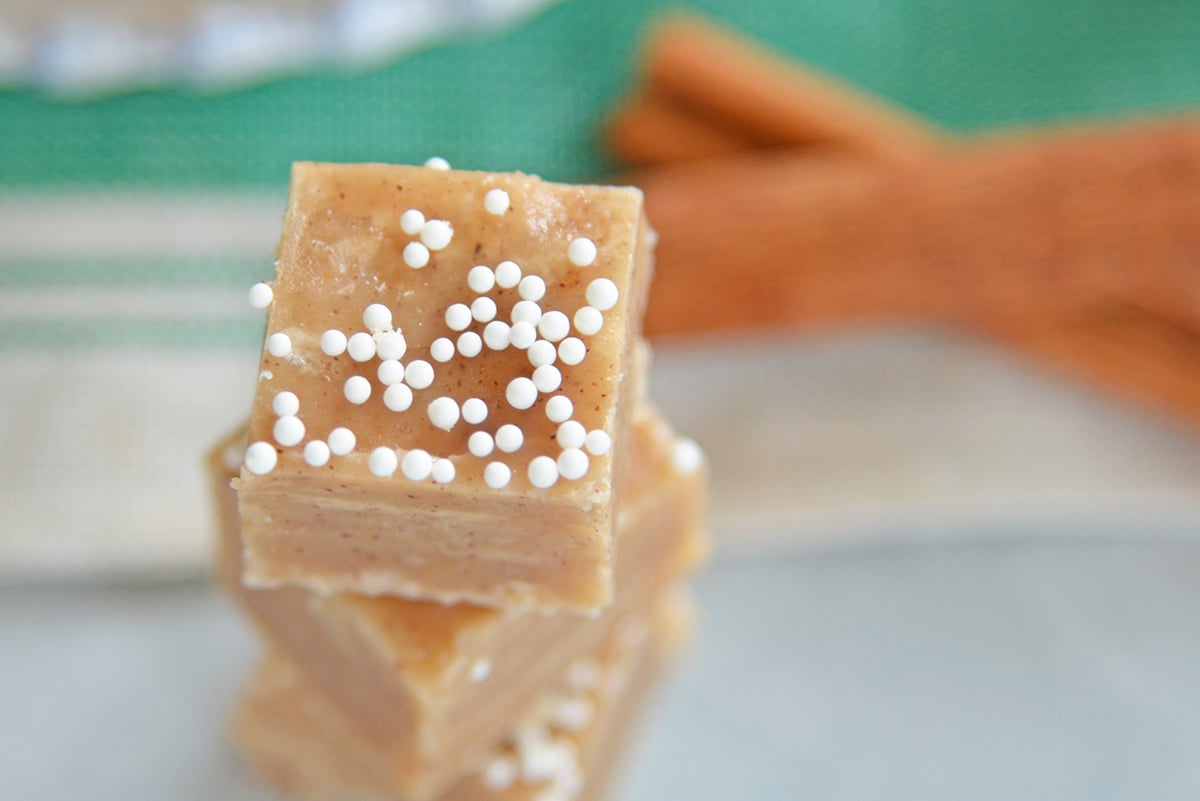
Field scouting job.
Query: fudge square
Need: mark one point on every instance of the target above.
(442, 410)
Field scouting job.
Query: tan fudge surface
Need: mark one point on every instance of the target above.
(565, 748)
(432, 682)
(343, 527)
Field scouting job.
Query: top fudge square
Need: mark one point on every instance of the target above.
(444, 397)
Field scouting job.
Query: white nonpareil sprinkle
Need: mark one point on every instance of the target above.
(480, 444)
(542, 352)
(377, 317)
(341, 441)
(443, 413)
(288, 431)
(390, 344)
(526, 311)
(398, 397)
(588, 320)
(436, 234)
(483, 309)
(521, 393)
(571, 434)
(442, 349)
(497, 475)
(443, 471)
(382, 462)
(417, 465)
(358, 389)
(554, 325)
(418, 374)
(509, 438)
(547, 378)
(581, 251)
(389, 372)
(333, 342)
(458, 316)
(496, 201)
(279, 344)
(480, 670)
(573, 464)
(532, 287)
(686, 455)
(437, 163)
(571, 351)
(416, 255)
(495, 334)
(522, 335)
(584, 674)
(559, 409)
(573, 714)
(508, 274)
(316, 453)
(603, 294)
(500, 774)
(261, 458)
(598, 442)
(361, 347)
(480, 278)
(411, 222)
(261, 295)
(285, 403)
(470, 344)
(543, 472)
(474, 410)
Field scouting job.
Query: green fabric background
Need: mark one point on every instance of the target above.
(532, 98)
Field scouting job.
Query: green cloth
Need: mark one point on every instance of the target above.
(532, 98)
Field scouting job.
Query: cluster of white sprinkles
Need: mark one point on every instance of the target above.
(550, 338)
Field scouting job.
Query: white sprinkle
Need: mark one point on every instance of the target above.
(573, 714)
(418, 374)
(443, 413)
(470, 344)
(382, 462)
(571, 434)
(288, 431)
(390, 372)
(361, 347)
(261, 295)
(480, 444)
(598, 442)
(481, 279)
(377, 317)
(497, 475)
(390, 344)
(500, 774)
(398, 397)
(522, 335)
(333, 342)
(416, 255)
(584, 674)
(510, 438)
(496, 201)
(357, 389)
(417, 465)
(480, 670)
(603, 294)
(559, 409)
(542, 352)
(316, 453)
(483, 309)
(581, 251)
(686, 455)
(521, 393)
(285, 403)
(458, 316)
(341, 441)
(547, 378)
(508, 274)
(474, 411)
(443, 471)
(437, 163)
(588, 320)
(436, 234)
(573, 464)
(411, 222)
(543, 472)
(495, 334)
(261, 458)
(554, 325)
(532, 287)
(571, 351)
(526, 311)
(279, 344)
(265, 375)
(442, 349)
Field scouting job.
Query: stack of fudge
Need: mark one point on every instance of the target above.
(455, 518)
